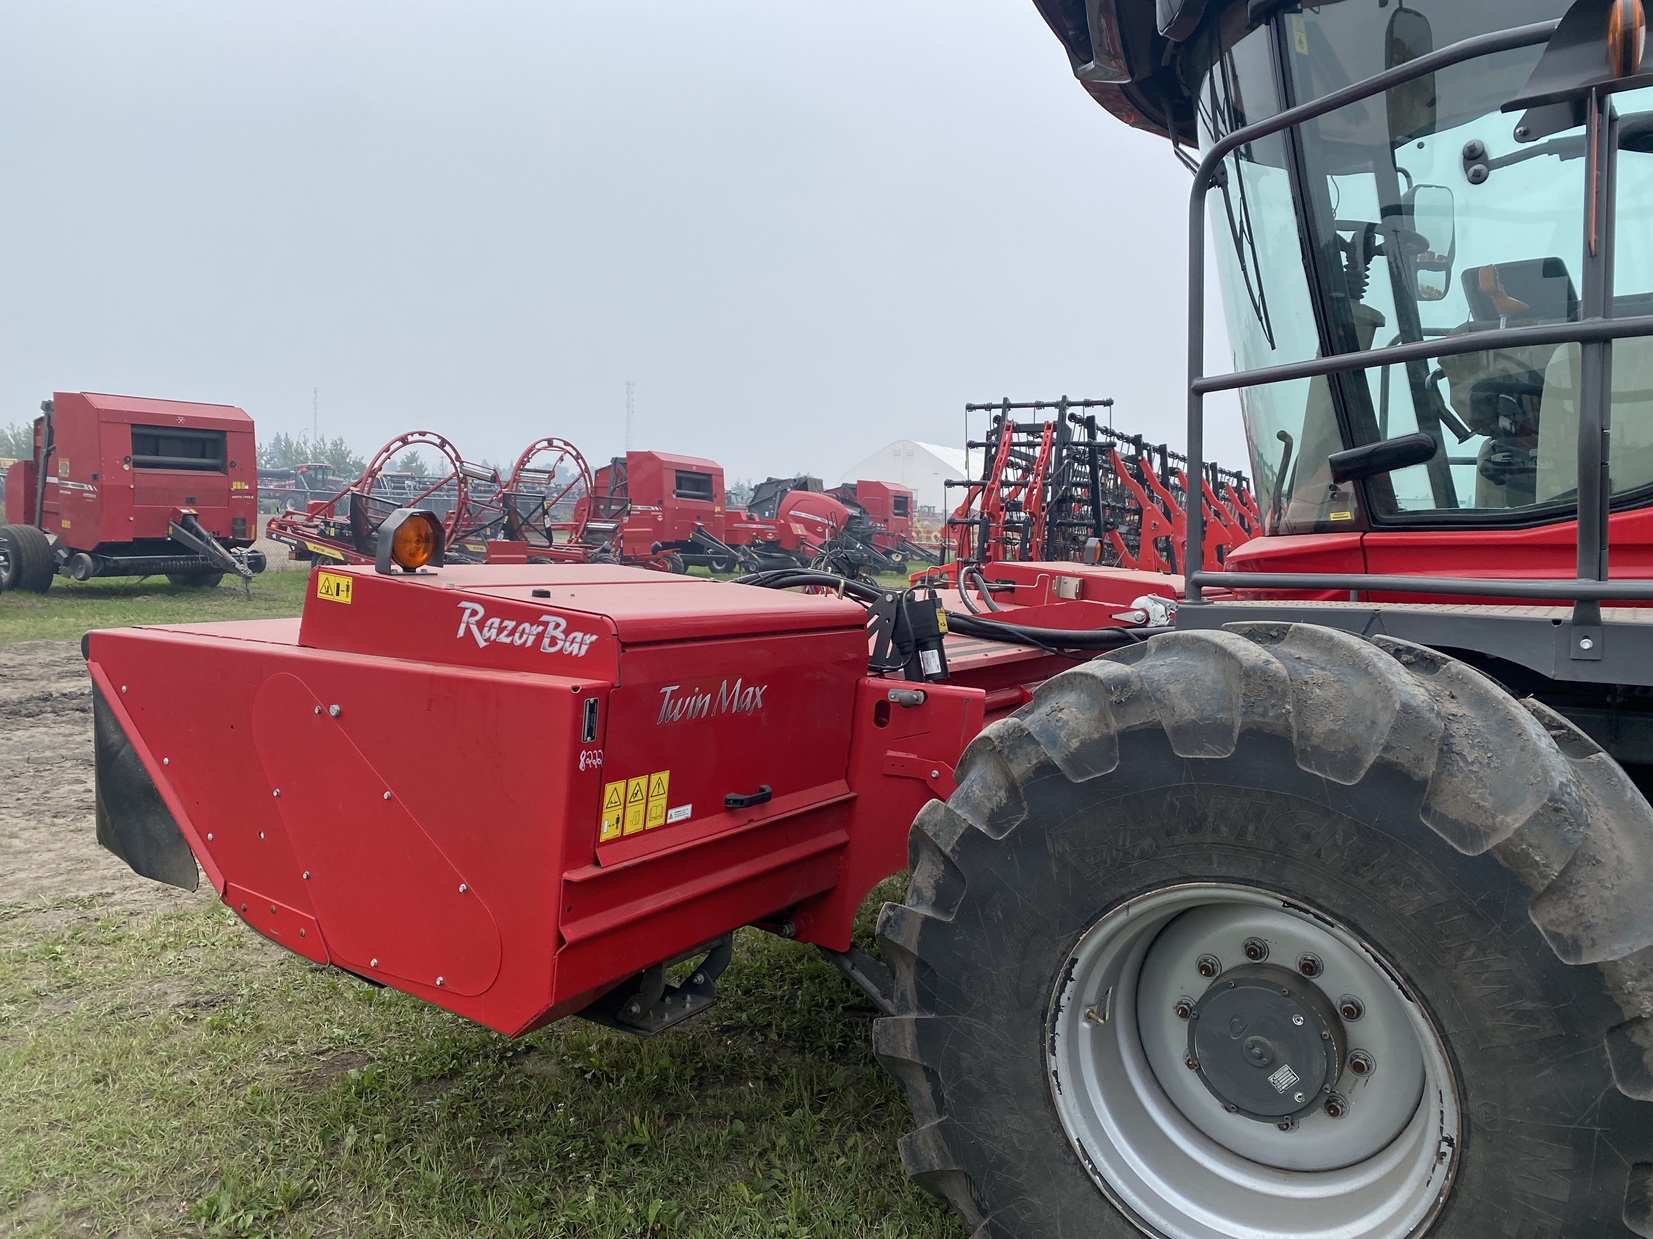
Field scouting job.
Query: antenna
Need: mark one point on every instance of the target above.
(631, 410)
(315, 416)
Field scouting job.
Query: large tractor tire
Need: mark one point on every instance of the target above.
(1275, 931)
(25, 559)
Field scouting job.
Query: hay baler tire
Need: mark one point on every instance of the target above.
(1368, 839)
(27, 559)
(196, 580)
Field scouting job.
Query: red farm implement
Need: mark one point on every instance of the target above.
(1064, 488)
(127, 486)
(1303, 892)
(545, 507)
(343, 528)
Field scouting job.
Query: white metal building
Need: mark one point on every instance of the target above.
(923, 467)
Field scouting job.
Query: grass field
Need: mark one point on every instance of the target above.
(176, 1075)
(71, 608)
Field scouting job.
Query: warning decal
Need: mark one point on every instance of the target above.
(614, 805)
(636, 804)
(658, 783)
(333, 587)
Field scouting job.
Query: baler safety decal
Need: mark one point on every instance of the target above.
(633, 805)
(333, 587)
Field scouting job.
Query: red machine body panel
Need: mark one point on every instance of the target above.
(124, 467)
(1537, 552)
(353, 783)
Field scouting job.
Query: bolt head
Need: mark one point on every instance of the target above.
(1256, 950)
(387, 795)
(276, 792)
(1191, 1064)
(462, 888)
(334, 711)
(441, 981)
(1297, 1020)
(1584, 643)
(1479, 173)
(1350, 1007)
(1310, 965)
(1184, 1009)
(373, 963)
(166, 761)
(1208, 965)
(306, 875)
(1360, 1062)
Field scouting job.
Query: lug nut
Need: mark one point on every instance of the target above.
(1361, 1063)
(1287, 1125)
(1310, 965)
(1191, 1064)
(1350, 1007)
(1208, 965)
(1184, 1008)
(1256, 950)
(1336, 1106)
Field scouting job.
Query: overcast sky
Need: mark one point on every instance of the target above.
(802, 230)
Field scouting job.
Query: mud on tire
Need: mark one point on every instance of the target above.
(1497, 861)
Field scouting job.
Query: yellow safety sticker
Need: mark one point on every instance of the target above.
(658, 783)
(333, 587)
(614, 810)
(941, 618)
(637, 796)
(1299, 34)
(1341, 516)
(238, 486)
(326, 552)
(64, 523)
(63, 467)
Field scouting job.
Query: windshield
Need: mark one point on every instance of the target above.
(1411, 216)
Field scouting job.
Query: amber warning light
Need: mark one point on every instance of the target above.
(1626, 37)
(410, 539)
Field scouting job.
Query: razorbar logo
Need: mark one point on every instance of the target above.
(680, 706)
(551, 635)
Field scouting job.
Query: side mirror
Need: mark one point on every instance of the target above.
(1431, 213)
(1384, 456)
(1411, 104)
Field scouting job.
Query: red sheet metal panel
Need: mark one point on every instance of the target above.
(388, 898)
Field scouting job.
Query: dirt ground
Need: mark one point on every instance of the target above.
(48, 844)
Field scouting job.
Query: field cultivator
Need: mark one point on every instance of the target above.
(1064, 488)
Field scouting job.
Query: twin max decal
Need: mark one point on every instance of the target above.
(679, 706)
(551, 635)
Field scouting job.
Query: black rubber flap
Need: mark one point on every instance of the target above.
(133, 821)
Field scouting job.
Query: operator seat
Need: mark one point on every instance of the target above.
(1631, 436)
(1500, 393)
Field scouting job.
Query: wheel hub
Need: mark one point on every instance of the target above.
(1267, 1043)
